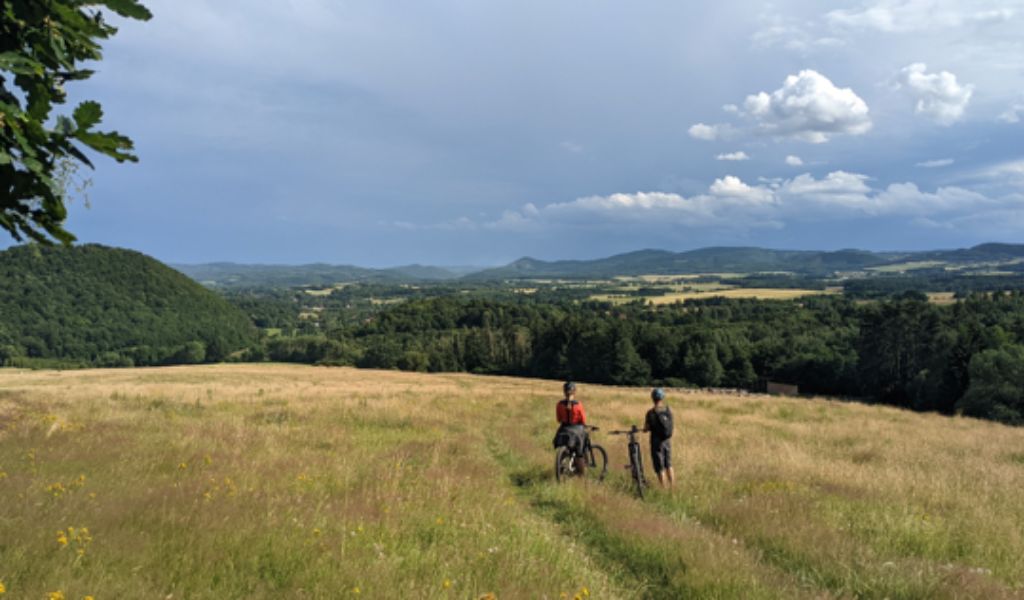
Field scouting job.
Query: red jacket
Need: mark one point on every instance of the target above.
(570, 413)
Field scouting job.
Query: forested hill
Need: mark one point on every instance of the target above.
(741, 260)
(106, 306)
(643, 262)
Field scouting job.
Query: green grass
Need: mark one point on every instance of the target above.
(269, 481)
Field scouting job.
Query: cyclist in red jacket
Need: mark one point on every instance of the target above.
(571, 422)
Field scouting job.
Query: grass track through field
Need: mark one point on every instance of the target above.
(274, 481)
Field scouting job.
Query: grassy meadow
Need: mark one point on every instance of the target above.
(274, 481)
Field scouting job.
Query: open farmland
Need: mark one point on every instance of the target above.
(717, 292)
(269, 481)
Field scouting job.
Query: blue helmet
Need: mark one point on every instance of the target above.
(569, 387)
(657, 394)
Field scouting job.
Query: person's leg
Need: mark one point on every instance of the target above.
(670, 474)
(658, 461)
(581, 449)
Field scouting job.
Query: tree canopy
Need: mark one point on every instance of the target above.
(43, 46)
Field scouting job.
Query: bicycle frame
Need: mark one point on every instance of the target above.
(636, 459)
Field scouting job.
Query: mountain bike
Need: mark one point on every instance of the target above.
(593, 457)
(636, 459)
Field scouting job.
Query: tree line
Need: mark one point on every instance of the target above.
(966, 357)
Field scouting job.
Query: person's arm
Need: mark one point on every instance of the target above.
(647, 422)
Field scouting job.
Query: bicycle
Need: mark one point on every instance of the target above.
(595, 457)
(636, 459)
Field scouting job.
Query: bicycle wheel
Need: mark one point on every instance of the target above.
(564, 467)
(637, 470)
(598, 466)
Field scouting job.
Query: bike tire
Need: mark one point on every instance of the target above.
(563, 464)
(598, 463)
(636, 462)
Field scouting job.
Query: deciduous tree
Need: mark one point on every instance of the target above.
(43, 46)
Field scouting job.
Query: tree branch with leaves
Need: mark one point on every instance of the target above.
(43, 46)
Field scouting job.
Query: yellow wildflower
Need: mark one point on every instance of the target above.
(88, 598)
(356, 591)
(58, 595)
(316, 531)
(2, 588)
(62, 539)
(585, 592)
(3, 475)
(182, 466)
(447, 583)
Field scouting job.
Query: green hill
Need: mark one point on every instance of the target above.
(105, 306)
(742, 260)
(704, 260)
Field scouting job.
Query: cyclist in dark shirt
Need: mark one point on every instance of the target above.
(658, 422)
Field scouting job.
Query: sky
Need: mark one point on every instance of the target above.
(458, 132)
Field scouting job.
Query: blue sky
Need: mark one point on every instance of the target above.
(459, 132)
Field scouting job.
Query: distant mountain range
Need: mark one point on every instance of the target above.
(642, 262)
(244, 276)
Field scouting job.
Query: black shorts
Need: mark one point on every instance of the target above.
(573, 436)
(661, 454)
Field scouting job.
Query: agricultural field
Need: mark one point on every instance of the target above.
(717, 291)
(273, 481)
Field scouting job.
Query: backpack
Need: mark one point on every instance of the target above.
(662, 423)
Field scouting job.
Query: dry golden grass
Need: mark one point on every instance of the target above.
(717, 291)
(260, 481)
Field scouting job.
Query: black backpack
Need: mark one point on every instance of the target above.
(662, 423)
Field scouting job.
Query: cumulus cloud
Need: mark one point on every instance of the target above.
(935, 164)
(938, 96)
(794, 161)
(733, 156)
(700, 131)
(808, 107)
(733, 204)
(903, 16)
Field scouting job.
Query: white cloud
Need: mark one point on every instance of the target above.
(794, 161)
(731, 186)
(1013, 114)
(935, 164)
(1009, 172)
(732, 204)
(903, 16)
(709, 133)
(808, 107)
(734, 156)
(792, 34)
(938, 95)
